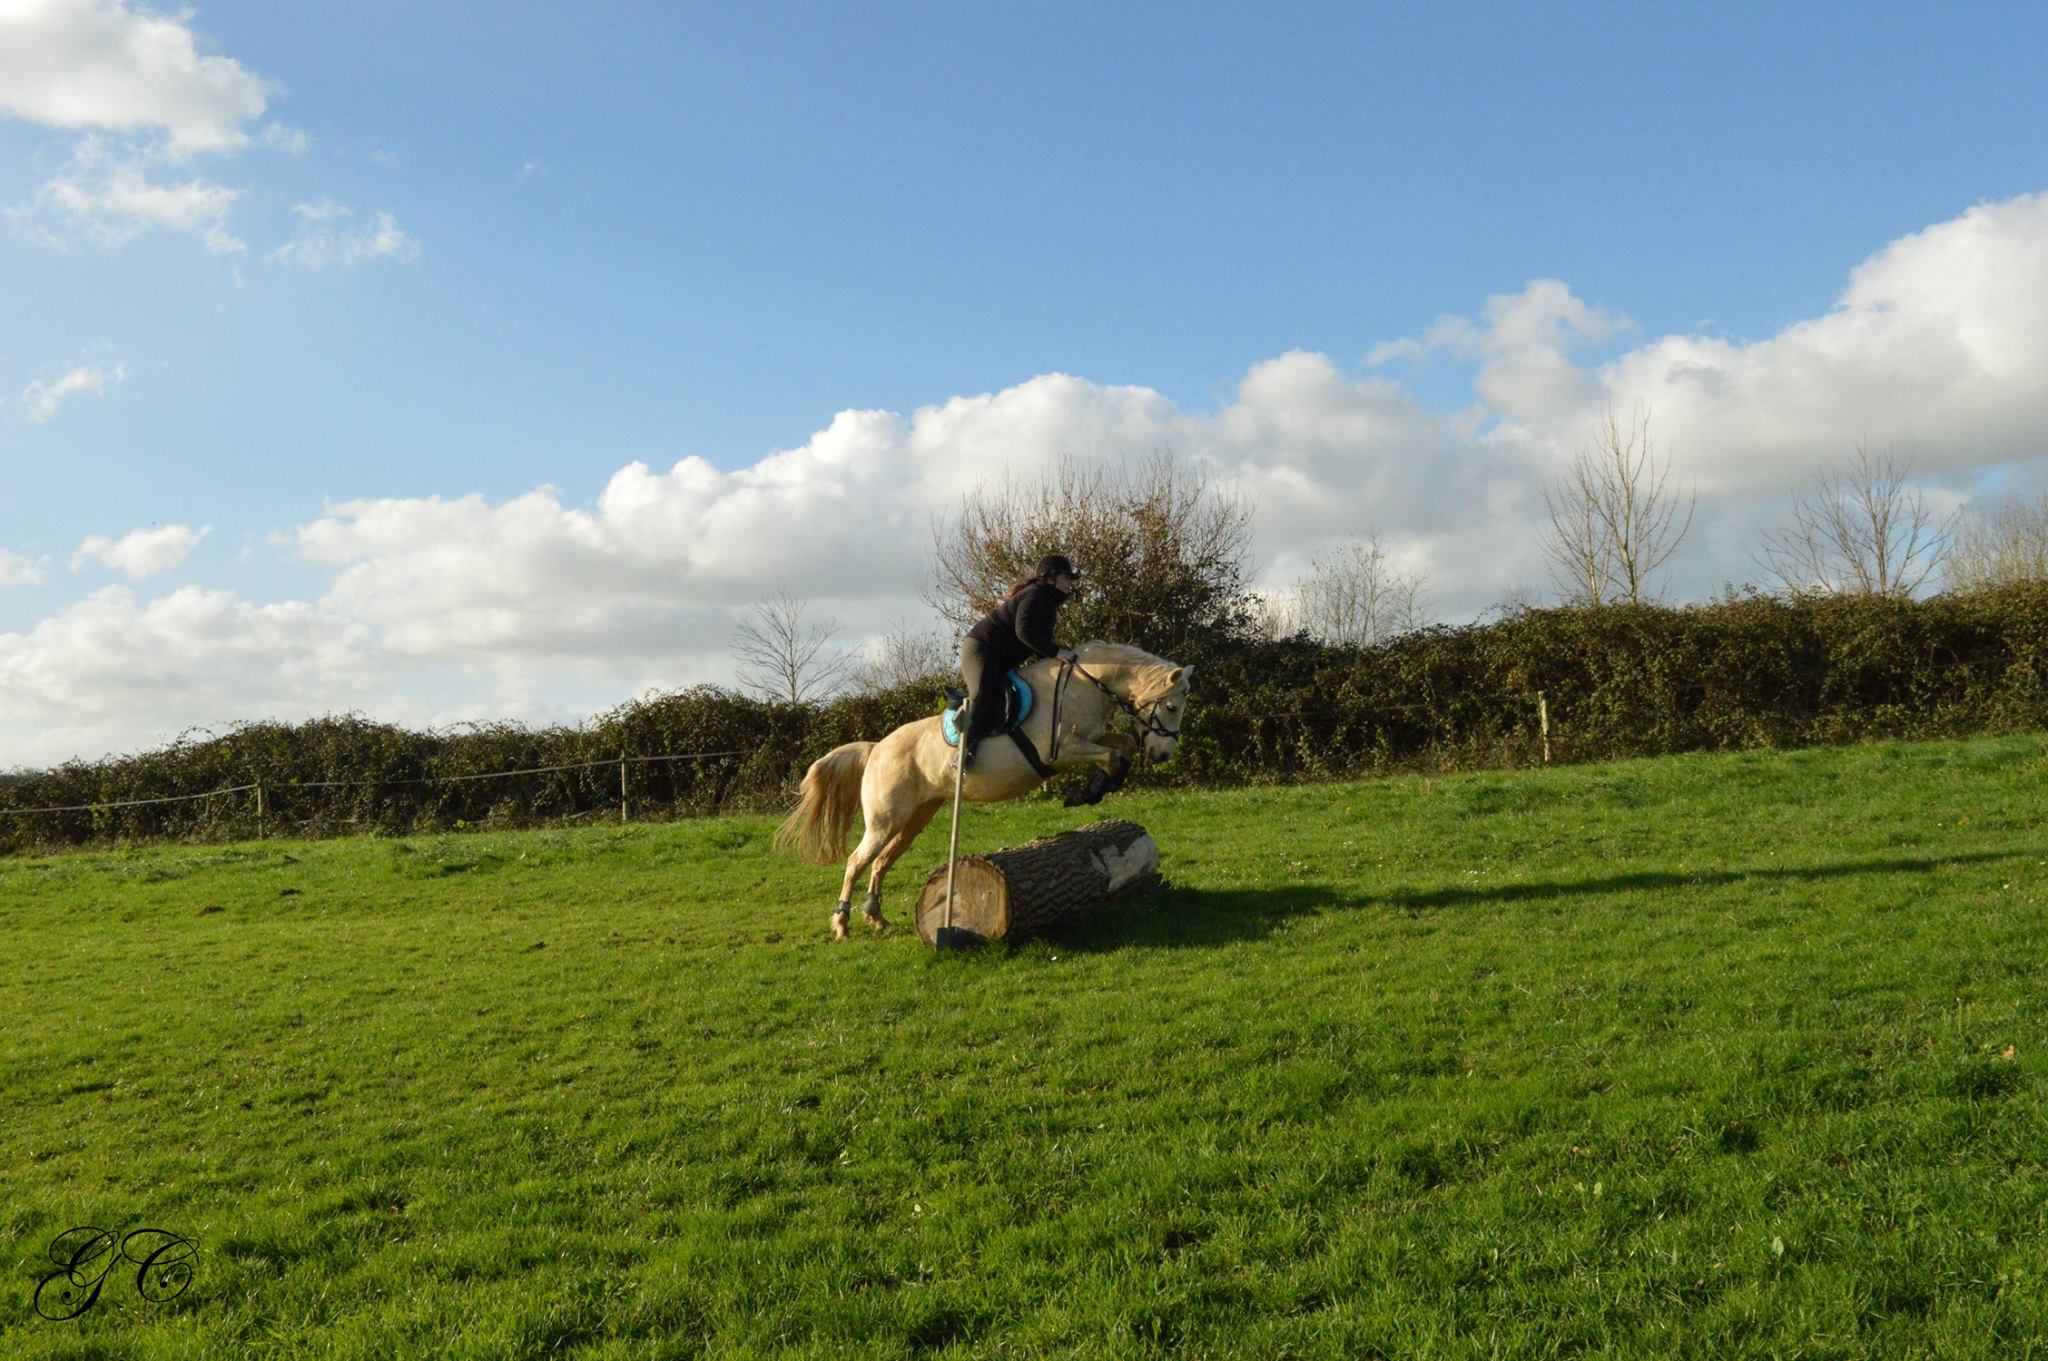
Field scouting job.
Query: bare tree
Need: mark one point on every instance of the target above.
(903, 656)
(2000, 546)
(1861, 531)
(1579, 553)
(1274, 617)
(1614, 517)
(1354, 597)
(1163, 553)
(781, 653)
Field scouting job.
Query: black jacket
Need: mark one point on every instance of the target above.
(1021, 627)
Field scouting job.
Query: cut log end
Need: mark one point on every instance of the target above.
(981, 904)
(1017, 893)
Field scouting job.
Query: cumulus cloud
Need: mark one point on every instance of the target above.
(539, 605)
(845, 519)
(325, 242)
(143, 553)
(115, 672)
(42, 399)
(18, 570)
(145, 100)
(98, 64)
(1937, 343)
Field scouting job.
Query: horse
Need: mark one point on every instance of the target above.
(899, 783)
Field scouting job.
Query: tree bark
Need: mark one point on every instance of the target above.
(1016, 893)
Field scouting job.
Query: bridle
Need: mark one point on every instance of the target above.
(1147, 718)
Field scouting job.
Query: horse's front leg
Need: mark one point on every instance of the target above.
(1110, 754)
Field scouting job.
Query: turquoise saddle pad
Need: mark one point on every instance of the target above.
(1021, 702)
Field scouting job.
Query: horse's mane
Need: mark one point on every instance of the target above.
(1118, 654)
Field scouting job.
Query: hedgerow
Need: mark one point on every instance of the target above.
(1617, 681)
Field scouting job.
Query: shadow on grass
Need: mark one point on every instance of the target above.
(1178, 918)
(1654, 881)
(1173, 917)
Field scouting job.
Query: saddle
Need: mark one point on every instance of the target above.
(1016, 708)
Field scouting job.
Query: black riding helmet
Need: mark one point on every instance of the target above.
(1056, 565)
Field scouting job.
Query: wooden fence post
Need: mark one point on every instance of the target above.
(260, 833)
(1543, 717)
(622, 789)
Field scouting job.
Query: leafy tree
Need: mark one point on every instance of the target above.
(1162, 553)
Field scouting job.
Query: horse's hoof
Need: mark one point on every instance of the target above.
(1098, 786)
(840, 916)
(872, 912)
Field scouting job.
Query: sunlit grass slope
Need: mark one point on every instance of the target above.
(1712, 1056)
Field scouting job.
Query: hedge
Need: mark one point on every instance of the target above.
(1619, 681)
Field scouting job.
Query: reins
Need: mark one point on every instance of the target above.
(1148, 720)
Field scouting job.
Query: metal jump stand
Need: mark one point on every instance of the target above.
(945, 936)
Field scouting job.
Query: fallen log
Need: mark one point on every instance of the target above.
(1015, 893)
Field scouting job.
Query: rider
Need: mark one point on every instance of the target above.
(1014, 632)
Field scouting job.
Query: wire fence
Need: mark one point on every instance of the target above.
(261, 788)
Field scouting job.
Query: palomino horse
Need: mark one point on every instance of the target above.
(900, 782)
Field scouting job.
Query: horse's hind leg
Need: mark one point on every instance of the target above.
(871, 843)
(890, 854)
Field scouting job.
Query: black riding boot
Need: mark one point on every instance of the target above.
(971, 733)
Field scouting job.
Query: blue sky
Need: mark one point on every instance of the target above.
(311, 280)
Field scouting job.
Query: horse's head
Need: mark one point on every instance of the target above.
(1154, 690)
(1161, 710)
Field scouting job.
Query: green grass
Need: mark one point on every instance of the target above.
(1710, 1056)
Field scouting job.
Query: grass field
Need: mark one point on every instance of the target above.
(1715, 1057)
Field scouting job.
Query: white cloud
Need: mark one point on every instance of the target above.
(111, 197)
(291, 141)
(115, 673)
(1523, 348)
(97, 64)
(1937, 343)
(319, 211)
(536, 606)
(146, 98)
(43, 399)
(17, 570)
(324, 244)
(142, 553)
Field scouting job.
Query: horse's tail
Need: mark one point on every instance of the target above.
(816, 828)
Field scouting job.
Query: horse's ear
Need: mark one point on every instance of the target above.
(1180, 675)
